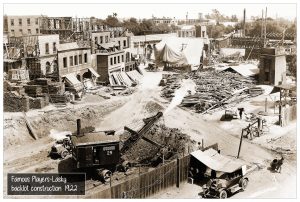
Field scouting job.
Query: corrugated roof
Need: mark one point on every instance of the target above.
(94, 138)
(215, 161)
(67, 46)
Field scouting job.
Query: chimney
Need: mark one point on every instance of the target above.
(78, 127)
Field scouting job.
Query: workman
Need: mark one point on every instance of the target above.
(199, 145)
(241, 110)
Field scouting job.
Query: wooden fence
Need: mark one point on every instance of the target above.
(149, 183)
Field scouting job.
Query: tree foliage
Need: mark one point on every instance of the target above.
(146, 27)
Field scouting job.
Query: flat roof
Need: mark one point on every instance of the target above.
(94, 138)
(287, 87)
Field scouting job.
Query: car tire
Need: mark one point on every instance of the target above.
(223, 194)
(243, 184)
(105, 175)
(125, 166)
(64, 154)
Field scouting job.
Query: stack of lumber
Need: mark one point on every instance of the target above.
(48, 86)
(59, 98)
(38, 103)
(13, 102)
(33, 90)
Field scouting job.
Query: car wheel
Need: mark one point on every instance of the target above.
(244, 184)
(64, 154)
(105, 175)
(223, 194)
(125, 166)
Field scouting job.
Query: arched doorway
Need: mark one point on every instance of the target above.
(87, 75)
(48, 67)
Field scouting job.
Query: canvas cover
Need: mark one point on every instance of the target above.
(215, 161)
(179, 51)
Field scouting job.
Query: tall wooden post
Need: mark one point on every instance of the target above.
(177, 174)
(280, 108)
(240, 144)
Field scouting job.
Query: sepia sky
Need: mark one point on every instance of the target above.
(126, 10)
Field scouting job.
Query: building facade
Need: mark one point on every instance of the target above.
(187, 31)
(40, 52)
(272, 66)
(99, 38)
(110, 58)
(74, 60)
(17, 26)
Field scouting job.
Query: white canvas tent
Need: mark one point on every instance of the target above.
(180, 51)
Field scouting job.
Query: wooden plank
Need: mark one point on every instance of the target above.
(31, 131)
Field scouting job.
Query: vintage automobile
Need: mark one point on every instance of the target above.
(223, 175)
(224, 186)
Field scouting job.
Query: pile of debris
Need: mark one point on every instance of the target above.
(214, 89)
(173, 143)
(170, 83)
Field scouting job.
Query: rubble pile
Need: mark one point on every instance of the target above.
(174, 143)
(171, 82)
(213, 89)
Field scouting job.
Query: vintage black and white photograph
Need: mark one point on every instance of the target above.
(149, 100)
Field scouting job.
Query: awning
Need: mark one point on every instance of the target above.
(215, 161)
(94, 72)
(73, 81)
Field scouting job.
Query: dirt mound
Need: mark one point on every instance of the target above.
(172, 140)
(16, 132)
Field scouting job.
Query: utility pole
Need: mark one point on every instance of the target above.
(241, 140)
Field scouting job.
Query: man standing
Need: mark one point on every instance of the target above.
(241, 110)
